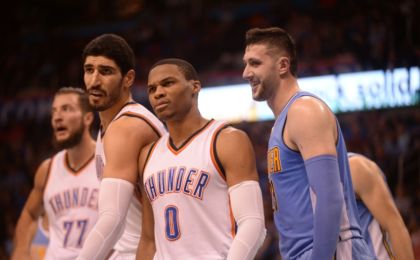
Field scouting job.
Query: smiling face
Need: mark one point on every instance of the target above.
(67, 120)
(171, 95)
(104, 82)
(261, 71)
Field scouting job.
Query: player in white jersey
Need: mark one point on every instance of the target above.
(379, 217)
(126, 127)
(198, 179)
(65, 185)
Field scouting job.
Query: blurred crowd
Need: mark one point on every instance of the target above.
(333, 36)
(43, 53)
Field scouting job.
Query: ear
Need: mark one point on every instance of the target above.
(283, 65)
(128, 80)
(88, 118)
(196, 84)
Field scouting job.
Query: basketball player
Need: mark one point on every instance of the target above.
(379, 217)
(66, 186)
(199, 178)
(313, 201)
(126, 127)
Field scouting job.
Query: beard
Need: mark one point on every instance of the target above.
(108, 99)
(74, 139)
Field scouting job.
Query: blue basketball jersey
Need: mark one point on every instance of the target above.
(294, 201)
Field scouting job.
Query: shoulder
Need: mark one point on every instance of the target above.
(360, 165)
(231, 135)
(311, 109)
(364, 173)
(41, 174)
(311, 127)
(129, 128)
(233, 142)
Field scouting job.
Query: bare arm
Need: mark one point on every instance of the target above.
(123, 142)
(30, 213)
(371, 188)
(311, 129)
(238, 160)
(147, 248)
(237, 156)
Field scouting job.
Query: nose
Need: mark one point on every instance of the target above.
(246, 74)
(160, 92)
(56, 116)
(92, 79)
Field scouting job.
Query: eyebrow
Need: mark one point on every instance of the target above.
(100, 66)
(162, 80)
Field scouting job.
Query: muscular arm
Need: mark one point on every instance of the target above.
(147, 248)
(238, 160)
(123, 142)
(30, 213)
(311, 130)
(371, 188)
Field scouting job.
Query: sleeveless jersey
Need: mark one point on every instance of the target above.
(189, 196)
(294, 201)
(71, 204)
(129, 240)
(371, 230)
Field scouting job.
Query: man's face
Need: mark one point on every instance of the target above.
(260, 71)
(170, 94)
(103, 82)
(67, 121)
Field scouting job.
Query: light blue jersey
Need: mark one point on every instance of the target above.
(294, 201)
(372, 233)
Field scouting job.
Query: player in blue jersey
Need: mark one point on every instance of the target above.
(314, 205)
(379, 217)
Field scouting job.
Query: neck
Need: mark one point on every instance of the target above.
(82, 152)
(180, 130)
(287, 89)
(107, 115)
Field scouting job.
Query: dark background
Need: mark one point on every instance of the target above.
(41, 47)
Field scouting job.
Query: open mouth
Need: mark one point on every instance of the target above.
(254, 83)
(60, 130)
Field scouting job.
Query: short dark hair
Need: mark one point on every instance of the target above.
(83, 97)
(113, 47)
(274, 37)
(184, 66)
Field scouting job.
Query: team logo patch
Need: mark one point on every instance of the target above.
(273, 160)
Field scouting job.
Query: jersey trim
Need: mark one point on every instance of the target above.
(76, 171)
(131, 114)
(213, 152)
(126, 104)
(386, 245)
(152, 148)
(49, 172)
(232, 221)
(176, 150)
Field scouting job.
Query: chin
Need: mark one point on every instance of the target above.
(99, 107)
(258, 97)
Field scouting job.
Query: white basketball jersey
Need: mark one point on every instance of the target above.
(71, 204)
(190, 199)
(129, 240)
